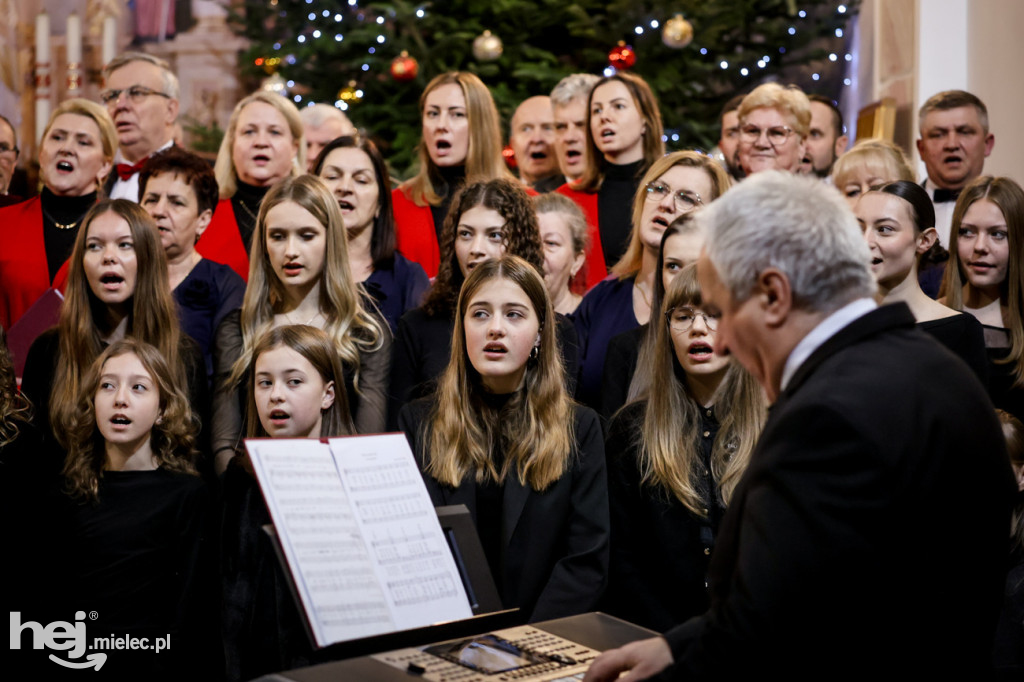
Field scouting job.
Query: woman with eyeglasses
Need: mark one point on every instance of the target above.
(623, 139)
(675, 184)
(774, 124)
(75, 156)
(262, 146)
(674, 460)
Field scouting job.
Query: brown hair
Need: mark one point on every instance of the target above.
(153, 318)
(535, 429)
(522, 236)
(670, 440)
(483, 157)
(315, 346)
(172, 436)
(1009, 197)
(647, 104)
(192, 170)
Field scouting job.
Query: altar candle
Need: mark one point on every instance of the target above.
(74, 38)
(109, 39)
(42, 38)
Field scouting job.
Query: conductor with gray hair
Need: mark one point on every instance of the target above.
(838, 557)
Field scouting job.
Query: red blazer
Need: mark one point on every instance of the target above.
(24, 275)
(595, 267)
(222, 242)
(415, 234)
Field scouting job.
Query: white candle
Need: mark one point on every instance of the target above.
(42, 94)
(42, 38)
(109, 39)
(74, 38)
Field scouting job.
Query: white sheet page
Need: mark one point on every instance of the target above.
(321, 539)
(399, 525)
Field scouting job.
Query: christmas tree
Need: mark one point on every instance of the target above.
(373, 59)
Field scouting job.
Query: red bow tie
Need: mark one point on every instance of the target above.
(126, 170)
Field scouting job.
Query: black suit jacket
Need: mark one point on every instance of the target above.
(868, 536)
(555, 542)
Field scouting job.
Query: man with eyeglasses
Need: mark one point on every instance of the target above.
(8, 159)
(141, 95)
(774, 123)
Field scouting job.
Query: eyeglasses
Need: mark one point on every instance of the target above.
(776, 135)
(136, 94)
(681, 318)
(8, 149)
(685, 200)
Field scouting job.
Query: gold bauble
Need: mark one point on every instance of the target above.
(677, 32)
(487, 47)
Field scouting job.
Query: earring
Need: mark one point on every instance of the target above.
(535, 353)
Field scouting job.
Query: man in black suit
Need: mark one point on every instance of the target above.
(867, 538)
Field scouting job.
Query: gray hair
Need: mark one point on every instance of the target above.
(571, 87)
(171, 87)
(319, 114)
(797, 224)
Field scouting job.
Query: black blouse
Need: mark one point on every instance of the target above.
(659, 549)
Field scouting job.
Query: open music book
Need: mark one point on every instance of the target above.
(362, 541)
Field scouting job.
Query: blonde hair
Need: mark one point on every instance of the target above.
(790, 101)
(483, 157)
(99, 115)
(153, 318)
(881, 158)
(535, 429)
(670, 441)
(224, 168)
(1009, 197)
(172, 436)
(629, 263)
(350, 325)
(647, 104)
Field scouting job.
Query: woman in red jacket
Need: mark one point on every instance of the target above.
(461, 138)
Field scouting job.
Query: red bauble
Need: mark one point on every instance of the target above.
(622, 56)
(404, 67)
(510, 157)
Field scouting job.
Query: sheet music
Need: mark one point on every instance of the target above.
(360, 535)
(410, 554)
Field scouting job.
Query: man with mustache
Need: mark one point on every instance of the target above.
(954, 143)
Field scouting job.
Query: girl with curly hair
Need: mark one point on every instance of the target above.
(487, 220)
(130, 533)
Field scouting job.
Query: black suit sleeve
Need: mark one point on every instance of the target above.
(227, 419)
(405, 372)
(578, 579)
(802, 514)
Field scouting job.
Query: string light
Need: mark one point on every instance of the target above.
(675, 137)
(724, 64)
(380, 20)
(420, 13)
(372, 50)
(608, 71)
(312, 16)
(301, 39)
(839, 33)
(832, 57)
(326, 13)
(815, 76)
(380, 39)
(703, 50)
(654, 23)
(639, 30)
(792, 31)
(338, 37)
(316, 33)
(744, 71)
(848, 57)
(803, 14)
(841, 9)
(337, 18)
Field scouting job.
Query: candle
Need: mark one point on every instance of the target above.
(74, 38)
(109, 39)
(42, 38)
(42, 80)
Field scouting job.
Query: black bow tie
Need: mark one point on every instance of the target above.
(943, 195)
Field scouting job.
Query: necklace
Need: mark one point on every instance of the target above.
(60, 226)
(640, 288)
(307, 323)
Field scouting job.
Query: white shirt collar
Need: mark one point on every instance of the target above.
(825, 330)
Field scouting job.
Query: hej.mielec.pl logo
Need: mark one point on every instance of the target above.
(58, 636)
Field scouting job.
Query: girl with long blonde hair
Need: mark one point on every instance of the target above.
(299, 274)
(502, 436)
(674, 460)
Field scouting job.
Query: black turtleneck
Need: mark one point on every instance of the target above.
(66, 211)
(614, 207)
(490, 496)
(450, 179)
(246, 203)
